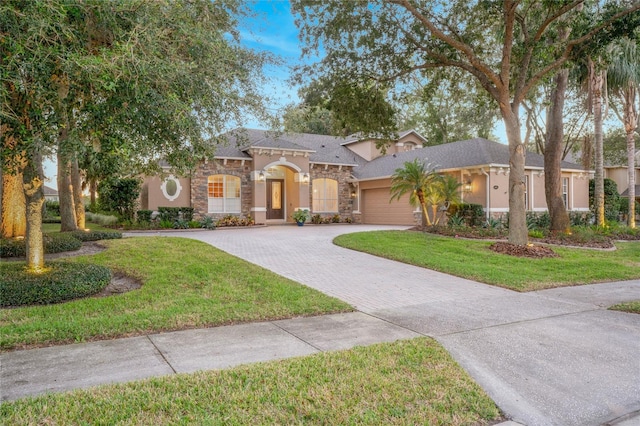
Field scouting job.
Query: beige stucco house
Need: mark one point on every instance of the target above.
(620, 175)
(269, 176)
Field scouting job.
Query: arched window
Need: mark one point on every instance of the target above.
(325, 195)
(224, 194)
(409, 146)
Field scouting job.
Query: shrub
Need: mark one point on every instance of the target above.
(194, 224)
(207, 223)
(166, 224)
(473, 214)
(538, 220)
(187, 213)
(180, 224)
(61, 282)
(611, 199)
(96, 235)
(456, 220)
(536, 233)
(316, 218)
(51, 208)
(170, 214)
(144, 216)
(335, 218)
(348, 220)
(580, 218)
(119, 195)
(101, 219)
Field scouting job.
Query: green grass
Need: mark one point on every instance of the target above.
(631, 307)
(187, 284)
(55, 227)
(407, 382)
(473, 260)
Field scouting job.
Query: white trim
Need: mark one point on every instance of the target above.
(282, 163)
(581, 209)
(498, 210)
(258, 209)
(163, 188)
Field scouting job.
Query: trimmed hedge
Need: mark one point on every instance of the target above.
(53, 243)
(96, 235)
(61, 282)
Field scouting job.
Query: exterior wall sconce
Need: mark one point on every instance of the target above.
(467, 187)
(353, 194)
(305, 178)
(261, 176)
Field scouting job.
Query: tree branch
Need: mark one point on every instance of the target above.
(458, 45)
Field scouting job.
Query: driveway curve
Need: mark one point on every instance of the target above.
(552, 357)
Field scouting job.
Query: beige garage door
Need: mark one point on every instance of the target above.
(376, 208)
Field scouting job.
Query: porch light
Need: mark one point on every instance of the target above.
(261, 176)
(305, 178)
(467, 186)
(353, 194)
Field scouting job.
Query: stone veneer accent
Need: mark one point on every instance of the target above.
(345, 202)
(199, 181)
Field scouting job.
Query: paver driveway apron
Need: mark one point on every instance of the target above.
(553, 357)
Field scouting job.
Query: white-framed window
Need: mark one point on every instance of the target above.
(565, 192)
(325, 195)
(224, 194)
(526, 192)
(171, 188)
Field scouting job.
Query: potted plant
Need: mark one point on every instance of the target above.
(300, 216)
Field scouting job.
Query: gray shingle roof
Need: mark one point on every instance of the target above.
(463, 154)
(626, 192)
(323, 149)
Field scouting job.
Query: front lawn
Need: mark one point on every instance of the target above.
(186, 284)
(473, 260)
(406, 382)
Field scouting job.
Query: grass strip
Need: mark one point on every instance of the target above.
(406, 382)
(631, 307)
(187, 284)
(473, 260)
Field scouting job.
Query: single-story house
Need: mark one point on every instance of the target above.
(270, 175)
(50, 194)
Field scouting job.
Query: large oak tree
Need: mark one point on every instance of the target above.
(161, 77)
(509, 46)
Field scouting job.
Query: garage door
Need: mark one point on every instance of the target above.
(376, 208)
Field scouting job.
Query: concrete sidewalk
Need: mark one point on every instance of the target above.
(62, 368)
(554, 357)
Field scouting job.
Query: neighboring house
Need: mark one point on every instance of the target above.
(50, 194)
(619, 174)
(269, 175)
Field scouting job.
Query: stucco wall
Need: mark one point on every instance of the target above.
(152, 197)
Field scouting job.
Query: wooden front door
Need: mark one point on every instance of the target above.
(275, 198)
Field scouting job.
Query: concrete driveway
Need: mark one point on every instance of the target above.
(552, 357)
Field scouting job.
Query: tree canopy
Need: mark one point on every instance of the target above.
(158, 78)
(507, 46)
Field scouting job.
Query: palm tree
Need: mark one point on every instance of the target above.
(414, 178)
(450, 188)
(623, 79)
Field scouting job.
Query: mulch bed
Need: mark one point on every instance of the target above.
(537, 252)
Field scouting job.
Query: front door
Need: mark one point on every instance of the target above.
(275, 201)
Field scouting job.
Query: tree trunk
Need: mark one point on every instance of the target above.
(93, 188)
(597, 82)
(33, 186)
(553, 155)
(630, 124)
(518, 232)
(423, 204)
(76, 182)
(65, 194)
(14, 219)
